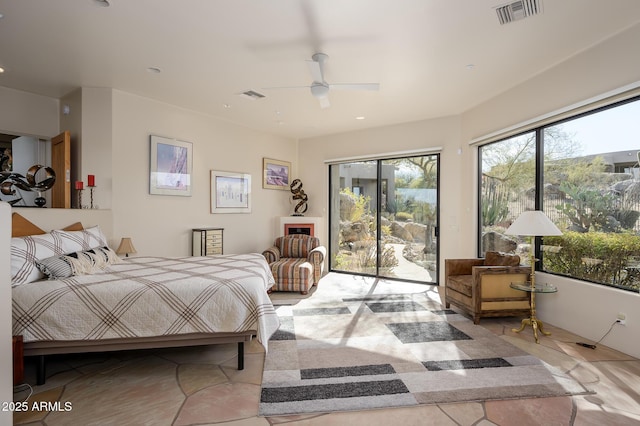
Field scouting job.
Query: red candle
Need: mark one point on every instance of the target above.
(92, 180)
(79, 184)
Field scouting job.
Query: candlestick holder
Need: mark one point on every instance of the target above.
(79, 192)
(91, 196)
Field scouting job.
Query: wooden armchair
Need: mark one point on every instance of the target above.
(480, 287)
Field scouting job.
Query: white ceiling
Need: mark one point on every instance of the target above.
(420, 51)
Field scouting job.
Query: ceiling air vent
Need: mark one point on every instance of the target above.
(251, 94)
(518, 10)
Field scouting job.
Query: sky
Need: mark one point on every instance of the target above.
(616, 129)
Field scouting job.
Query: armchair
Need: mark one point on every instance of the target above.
(480, 287)
(296, 261)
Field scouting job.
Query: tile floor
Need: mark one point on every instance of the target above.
(201, 385)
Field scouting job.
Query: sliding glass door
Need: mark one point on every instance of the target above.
(384, 218)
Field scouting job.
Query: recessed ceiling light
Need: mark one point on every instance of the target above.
(360, 118)
(1, 16)
(227, 106)
(470, 66)
(154, 70)
(103, 3)
(1, 70)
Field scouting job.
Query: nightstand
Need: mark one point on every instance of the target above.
(207, 241)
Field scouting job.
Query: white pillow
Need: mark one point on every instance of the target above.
(74, 241)
(26, 251)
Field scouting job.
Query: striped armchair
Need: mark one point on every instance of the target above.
(296, 261)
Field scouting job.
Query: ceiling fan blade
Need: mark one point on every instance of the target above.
(324, 102)
(284, 87)
(355, 86)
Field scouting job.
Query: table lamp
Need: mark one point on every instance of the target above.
(533, 224)
(126, 247)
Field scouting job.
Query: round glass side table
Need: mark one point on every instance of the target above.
(534, 322)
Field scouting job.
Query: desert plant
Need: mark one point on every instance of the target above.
(592, 210)
(361, 205)
(494, 202)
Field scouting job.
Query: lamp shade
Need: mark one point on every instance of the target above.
(533, 223)
(126, 247)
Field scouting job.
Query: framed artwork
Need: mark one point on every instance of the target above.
(230, 192)
(276, 174)
(170, 167)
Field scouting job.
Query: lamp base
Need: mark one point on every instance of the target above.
(536, 324)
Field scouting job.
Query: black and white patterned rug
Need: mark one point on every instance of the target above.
(355, 353)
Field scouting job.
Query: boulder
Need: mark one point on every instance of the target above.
(418, 231)
(347, 206)
(399, 231)
(353, 231)
(495, 241)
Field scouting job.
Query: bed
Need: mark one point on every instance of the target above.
(137, 303)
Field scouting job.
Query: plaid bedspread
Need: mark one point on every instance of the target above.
(150, 296)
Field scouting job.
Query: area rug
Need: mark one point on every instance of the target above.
(375, 351)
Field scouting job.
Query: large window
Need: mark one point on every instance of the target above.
(584, 173)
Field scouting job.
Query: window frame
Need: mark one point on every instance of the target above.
(539, 131)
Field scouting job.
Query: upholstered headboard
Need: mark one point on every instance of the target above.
(48, 219)
(22, 227)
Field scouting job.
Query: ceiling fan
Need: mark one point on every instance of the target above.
(320, 88)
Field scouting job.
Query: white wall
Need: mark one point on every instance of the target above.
(23, 113)
(96, 141)
(161, 224)
(6, 369)
(589, 310)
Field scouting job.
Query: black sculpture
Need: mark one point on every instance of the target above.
(9, 181)
(298, 194)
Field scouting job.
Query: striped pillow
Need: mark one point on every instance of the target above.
(26, 251)
(78, 263)
(86, 239)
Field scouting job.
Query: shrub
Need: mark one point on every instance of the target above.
(404, 216)
(594, 256)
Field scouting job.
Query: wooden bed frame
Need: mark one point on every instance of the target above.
(41, 349)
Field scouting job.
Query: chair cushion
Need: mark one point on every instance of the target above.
(296, 245)
(292, 274)
(460, 283)
(494, 258)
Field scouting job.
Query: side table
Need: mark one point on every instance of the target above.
(534, 322)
